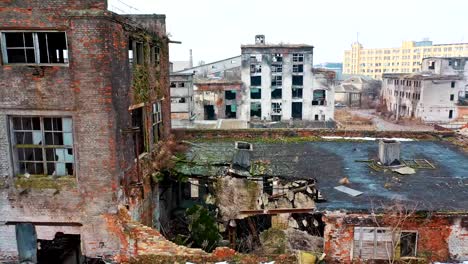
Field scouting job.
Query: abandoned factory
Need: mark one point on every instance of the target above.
(99, 162)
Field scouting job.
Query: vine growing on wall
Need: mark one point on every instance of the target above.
(141, 84)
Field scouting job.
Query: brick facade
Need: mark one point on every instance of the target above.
(95, 90)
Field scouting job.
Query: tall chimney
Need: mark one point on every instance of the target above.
(260, 39)
(389, 152)
(190, 59)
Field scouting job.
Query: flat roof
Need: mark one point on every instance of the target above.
(266, 46)
(444, 189)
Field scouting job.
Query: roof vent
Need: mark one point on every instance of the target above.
(244, 145)
(389, 152)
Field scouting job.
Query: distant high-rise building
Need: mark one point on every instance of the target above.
(406, 59)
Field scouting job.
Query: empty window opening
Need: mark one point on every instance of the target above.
(173, 85)
(256, 110)
(452, 84)
(297, 80)
(298, 68)
(276, 81)
(408, 244)
(318, 97)
(35, 47)
(298, 57)
(231, 111)
(276, 93)
(256, 80)
(43, 145)
(255, 68)
(276, 108)
(62, 249)
(255, 93)
(452, 97)
(181, 84)
(209, 113)
(156, 118)
(138, 127)
(450, 114)
(296, 110)
(431, 65)
(316, 117)
(297, 93)
(277, 68)
(230, 95)
(277, 57)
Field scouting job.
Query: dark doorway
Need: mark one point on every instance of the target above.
(297, 110)
(408, 242)
(63, 249)
(209, 112)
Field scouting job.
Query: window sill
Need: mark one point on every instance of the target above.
(37, 65)
(45, 182)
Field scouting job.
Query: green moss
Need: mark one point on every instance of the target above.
(273, 241)
(141, 85)
(252, 189)
(45, 182)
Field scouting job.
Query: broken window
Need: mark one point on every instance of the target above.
(138, 126)
(173, 85)
(135, 52)
(319, 97)
(297, 80)
(450, 114)
(296, 93)
(35, 47)
(256, 80)
(408, 244)
(298, 68)
(230, 95)
(255, 93)
(298, 57)
(277, 57)
(452, 97)
(373, 243)
(155, 55)
(276, 68)
(431, 65)
(452, 84)
(43, 145)
(276, 108)
(181, 84)
(276, 93)
(255, 68)
(156, 117)
(256, 109)
(231, 111)
(276, 80)
(255, 58)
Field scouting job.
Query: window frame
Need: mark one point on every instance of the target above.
(43, 146)
(36, 48)
(156, 121)
(298, 57)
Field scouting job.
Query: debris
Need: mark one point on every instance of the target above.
(303, 201)
(304, 222)
(347, 190)
(344, 181)
(405, 170)
(292, 223)
(210, 199)
(301, 240)
(290, 195)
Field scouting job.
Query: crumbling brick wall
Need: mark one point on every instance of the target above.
(94, 89)
(440, 237)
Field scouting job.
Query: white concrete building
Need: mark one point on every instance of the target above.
(432, 95)
(182, 104)
(280, 84)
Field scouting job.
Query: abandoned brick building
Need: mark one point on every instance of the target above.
(82, 106)
(347, 198)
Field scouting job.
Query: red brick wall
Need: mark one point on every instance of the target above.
(433, 235)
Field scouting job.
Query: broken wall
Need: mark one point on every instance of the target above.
(440, 238)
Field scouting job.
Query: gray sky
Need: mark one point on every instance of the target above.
(215, 29)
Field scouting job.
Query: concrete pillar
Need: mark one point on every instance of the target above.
(389, 152)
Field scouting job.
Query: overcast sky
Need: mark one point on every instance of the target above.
(215, 29)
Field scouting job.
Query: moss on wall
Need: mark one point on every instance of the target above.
(45, 182)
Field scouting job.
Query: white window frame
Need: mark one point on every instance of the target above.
(298, 57)
(36, 48)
